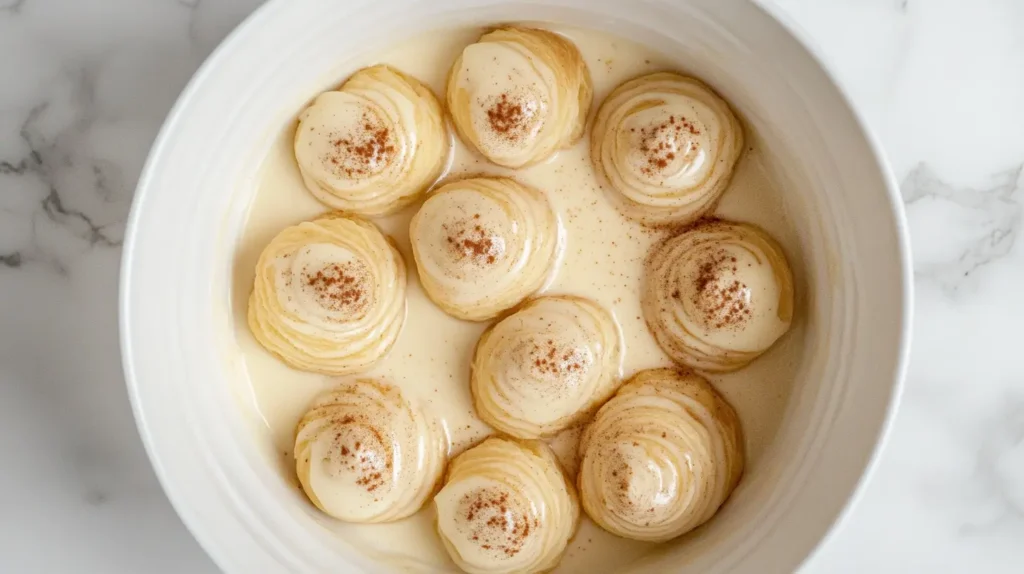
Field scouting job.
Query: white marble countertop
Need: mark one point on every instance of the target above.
(86, 84)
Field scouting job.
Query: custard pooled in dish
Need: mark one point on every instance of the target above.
(329, 295)
(660, 457)
(482, 245)
(364, 453)
(518, 95)
(506, 507)
(667, 145)
(374, 145)
(545, 367)
(718, 295)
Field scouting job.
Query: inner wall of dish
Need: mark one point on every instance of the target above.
(763, 107)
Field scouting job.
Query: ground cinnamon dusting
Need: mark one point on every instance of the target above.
(509, 116)
(721, 302)
(550, 358)
(660, 142)
(369, 467)
(505, 115)
(494, 521)
(338, 286)
(622, 474)
(364, 151)
(473, 241)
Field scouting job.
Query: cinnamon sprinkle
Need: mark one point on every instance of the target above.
(364, 151)
(660, 142)
(494, 523)
(622, 474)
(473, 241)
(338, 286)
(723, 303)
(369, 465)
(510, 115)
(563, 361)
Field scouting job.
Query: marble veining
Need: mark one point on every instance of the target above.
(87, 83)
(11, 6)
(981, 223)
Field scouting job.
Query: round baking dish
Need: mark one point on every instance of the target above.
(189, 397)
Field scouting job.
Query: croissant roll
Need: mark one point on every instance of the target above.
(365, 453)
(329, 295)
(506, 507)
(667, 145)
(718, 295)
(374, 145)
(518, 95)
(660, 457)
(547, 366)
(483, 245)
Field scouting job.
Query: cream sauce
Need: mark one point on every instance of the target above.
(602, 259)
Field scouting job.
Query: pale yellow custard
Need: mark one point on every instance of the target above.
(601, 258)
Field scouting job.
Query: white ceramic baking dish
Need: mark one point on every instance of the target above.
(191, 402)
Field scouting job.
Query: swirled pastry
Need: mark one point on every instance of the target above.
(364, 453)
(374, 145)
(329, 295)
(482, 245)
(667, 145)
(518, 95)
(506, 507)
(545, 367)
(718, 295)
(660, 457)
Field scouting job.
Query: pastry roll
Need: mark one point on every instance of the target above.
(374, 145)
(547, 366)
(329, 295)
(484, 244)
(660, 457)
(718, 295)
(667, 146)
(506, 507)
(364, 453)
(518, 95)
